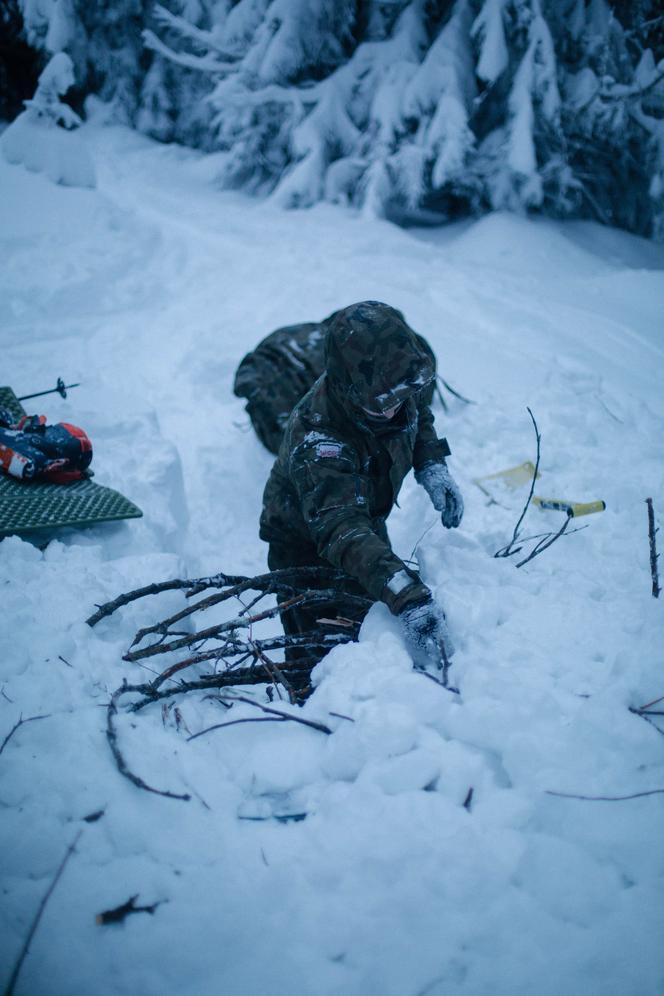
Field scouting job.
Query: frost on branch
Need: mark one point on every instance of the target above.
(41, 137)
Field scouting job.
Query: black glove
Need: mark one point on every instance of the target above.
(426, 634)
(444, 492)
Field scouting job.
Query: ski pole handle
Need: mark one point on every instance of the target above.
(573, 508)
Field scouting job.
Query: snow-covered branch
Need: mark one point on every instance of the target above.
(200, 63)
(204, 39)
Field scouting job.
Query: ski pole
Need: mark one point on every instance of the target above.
(60, 388)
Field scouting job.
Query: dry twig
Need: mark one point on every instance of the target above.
(15, 727)
(545, 543)
(605, 798)
(654, 556)
(9, 989)
(120, 913)
(547, 538)
(455, 394)
(112, 737)
(508, 550)
(278, 713)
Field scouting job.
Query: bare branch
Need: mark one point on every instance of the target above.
(507, 551)
(654, 556)
(112, 737)
(9, 989)
(236, 722)
(544, 544)
(314, 725)
(212, 631)
(238, 658)
(646, 714)
(21, 722)
(648, 704)
(456, 394)
(130, 596)
(605, 798)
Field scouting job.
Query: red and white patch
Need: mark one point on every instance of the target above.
(332, 450)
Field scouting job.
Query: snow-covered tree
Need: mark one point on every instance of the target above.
(613, 112)
(19, 63)
(410, 109)
(40, 138)
(103, 41)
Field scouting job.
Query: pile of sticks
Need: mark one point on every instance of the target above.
(228, 654)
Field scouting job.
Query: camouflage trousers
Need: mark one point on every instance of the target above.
(320, 617)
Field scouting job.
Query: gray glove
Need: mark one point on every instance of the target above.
(444, 492)
(426, 634)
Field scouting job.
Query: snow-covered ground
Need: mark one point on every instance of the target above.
(149, 290)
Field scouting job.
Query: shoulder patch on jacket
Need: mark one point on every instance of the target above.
(330, 449)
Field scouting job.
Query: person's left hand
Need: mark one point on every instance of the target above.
(444, 492)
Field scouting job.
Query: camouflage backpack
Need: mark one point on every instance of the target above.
(280, 371)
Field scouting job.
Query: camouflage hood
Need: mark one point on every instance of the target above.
(373, 359)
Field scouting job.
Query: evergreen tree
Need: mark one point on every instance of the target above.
(19, 62)
(40, 137)
(409, 109)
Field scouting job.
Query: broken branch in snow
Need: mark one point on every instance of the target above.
(455, 394)
(547, 538)
(108, 608)
(545, 543)
(508, 550)
(15, 727)
(274, 581)
(120, 913)
(645, 713)
(654, 556)
(235, 722)
(112, 737)
(38, 915)
(605, 798)
(233, 652)
(437, 681)
(648, 704)
(321, 727)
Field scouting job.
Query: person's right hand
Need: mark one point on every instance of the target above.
(426, 634)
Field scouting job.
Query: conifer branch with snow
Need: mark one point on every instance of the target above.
(411, 110)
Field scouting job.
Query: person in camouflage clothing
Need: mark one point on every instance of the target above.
(347, 447)
(280, 371)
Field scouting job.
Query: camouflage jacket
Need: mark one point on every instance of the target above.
(338, 473)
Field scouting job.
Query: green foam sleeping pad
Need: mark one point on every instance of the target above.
(29, 506)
